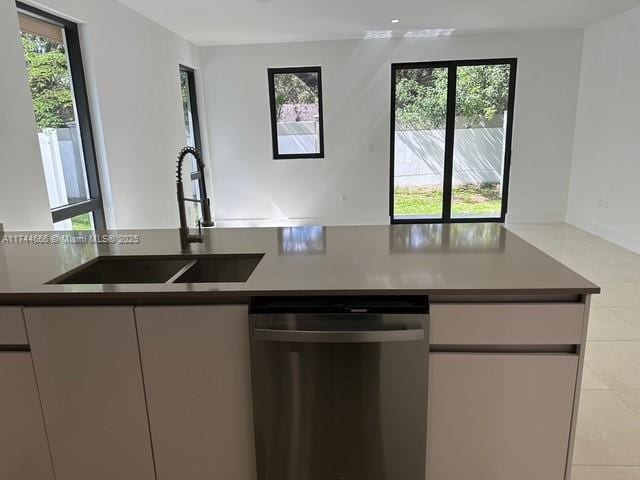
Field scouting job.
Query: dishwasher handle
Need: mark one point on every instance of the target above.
(354, 327)
(338, 336)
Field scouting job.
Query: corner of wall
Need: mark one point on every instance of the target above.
(573, 161)
(619, 238)
(602, 172)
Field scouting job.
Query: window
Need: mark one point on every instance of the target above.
(56, 79)
(190, 107)
(451, 125)
(193, 139)
(78, 223)
(295, 96)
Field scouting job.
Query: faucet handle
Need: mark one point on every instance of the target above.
(199, 223)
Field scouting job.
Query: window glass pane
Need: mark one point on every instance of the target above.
(55, 111)
(80, 223)
(193, 209)
(482, 98)
(420, 131)
(191, 188)
(297, 112)
(186, 107)
(190, 136)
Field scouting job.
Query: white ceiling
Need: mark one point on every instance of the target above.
(216, 22)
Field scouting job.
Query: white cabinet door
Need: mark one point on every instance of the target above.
(12, 326)
(24, 453)
(197, 376)
(88, 371)
(499, 416)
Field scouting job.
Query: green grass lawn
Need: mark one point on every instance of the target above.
(82, 222)
(474, 200)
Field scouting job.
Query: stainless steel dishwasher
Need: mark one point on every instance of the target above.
(340, 387)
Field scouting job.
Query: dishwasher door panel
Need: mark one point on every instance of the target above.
(340, 411)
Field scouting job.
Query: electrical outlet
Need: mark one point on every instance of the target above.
(371, 147)
(343, 197)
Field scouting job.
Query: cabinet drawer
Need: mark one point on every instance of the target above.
(506, 324)
(12, 331)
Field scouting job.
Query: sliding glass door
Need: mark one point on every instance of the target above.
(419, 126)
(451, 125)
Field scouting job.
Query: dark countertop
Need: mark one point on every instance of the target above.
(460, 259)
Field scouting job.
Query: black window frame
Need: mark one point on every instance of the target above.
(271, 72)
(94, 204)
(452, 66)
(193, 105)
(195, 119)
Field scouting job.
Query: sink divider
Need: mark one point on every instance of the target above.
(180, 272)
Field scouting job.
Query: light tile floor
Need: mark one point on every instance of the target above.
(608, 434)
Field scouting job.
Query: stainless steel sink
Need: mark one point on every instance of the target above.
(220, 268)
(162, 269)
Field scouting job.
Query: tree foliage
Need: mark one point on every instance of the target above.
(421, 95)
(186, 97)
(295, 89)
(49, 80)
(421, 98)
(482, 92)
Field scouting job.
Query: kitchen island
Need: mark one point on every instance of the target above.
(146, 380)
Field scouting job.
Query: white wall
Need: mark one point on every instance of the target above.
(249, 184)
(132, 75)
(605, 178)
(23, 197)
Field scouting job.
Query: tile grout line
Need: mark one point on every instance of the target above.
(624, 319)
(633, 410)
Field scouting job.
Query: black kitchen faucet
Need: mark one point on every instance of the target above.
(186, 237)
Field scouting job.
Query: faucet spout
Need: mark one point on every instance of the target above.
(186, 237)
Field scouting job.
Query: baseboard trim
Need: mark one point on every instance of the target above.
(535, 218)
(621, 239)
(328, 221)
(290, 222)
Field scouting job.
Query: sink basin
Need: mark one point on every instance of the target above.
(162, 269)
(221, 268)
(124, 269)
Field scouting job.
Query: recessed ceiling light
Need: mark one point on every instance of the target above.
(370, 34)
(429, 32)
(395, 20)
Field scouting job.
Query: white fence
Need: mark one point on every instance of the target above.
(419, 156)
(63, 165)
(298, 137)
